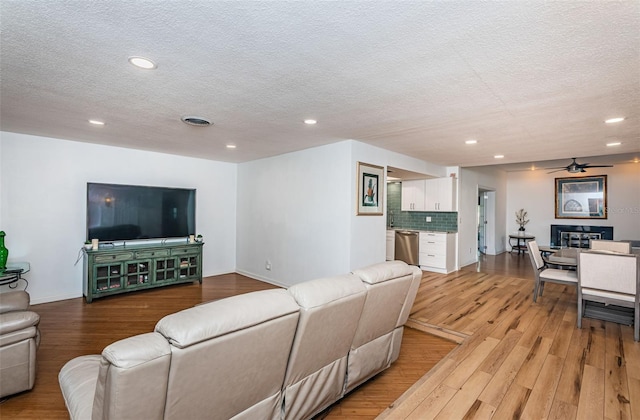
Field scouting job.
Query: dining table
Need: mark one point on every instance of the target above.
(560, 257)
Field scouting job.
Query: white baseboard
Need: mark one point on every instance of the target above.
(261, 278)
(49, 299)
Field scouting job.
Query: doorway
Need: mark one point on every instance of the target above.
(486, 221)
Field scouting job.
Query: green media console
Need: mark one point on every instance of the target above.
(126, 268)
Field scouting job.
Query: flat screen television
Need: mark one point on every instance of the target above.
(128, 212)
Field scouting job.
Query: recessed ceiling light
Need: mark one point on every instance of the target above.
(96, 122)
(471, 141)
(143, 63)
(231, 146)
(614, 143)
(498, 156)
(310, 122)
(614, 120)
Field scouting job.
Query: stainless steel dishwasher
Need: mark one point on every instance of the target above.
(407, 243)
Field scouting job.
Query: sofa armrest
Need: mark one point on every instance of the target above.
(15, 321)
(129, 368)
(17, 300)
(136, 350)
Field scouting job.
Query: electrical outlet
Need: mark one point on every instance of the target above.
(267, 265)
(428, 219)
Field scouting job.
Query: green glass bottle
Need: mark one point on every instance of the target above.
(4, 252)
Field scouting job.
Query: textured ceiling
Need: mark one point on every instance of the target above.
(530, 80)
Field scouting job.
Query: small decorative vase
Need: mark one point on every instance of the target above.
(4, 252)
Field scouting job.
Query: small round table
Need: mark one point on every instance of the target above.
(13, 273)
(521, 239)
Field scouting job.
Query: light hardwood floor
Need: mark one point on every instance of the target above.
(518, 359)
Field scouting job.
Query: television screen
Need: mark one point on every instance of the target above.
(128, 212)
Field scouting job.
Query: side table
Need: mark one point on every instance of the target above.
(520, 240)
(13, 273)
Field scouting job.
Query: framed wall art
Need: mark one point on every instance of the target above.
(370, 189)
(581, 197)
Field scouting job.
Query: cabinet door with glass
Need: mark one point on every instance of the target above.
(107, 277)
(165, 270)
(137, 273)
(188, 259)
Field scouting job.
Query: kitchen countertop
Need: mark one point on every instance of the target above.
(422, 230)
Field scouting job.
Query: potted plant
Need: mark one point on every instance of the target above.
(87, 244)
(199, 238)
(521, 219)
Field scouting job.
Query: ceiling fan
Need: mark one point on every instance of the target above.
(575, 167)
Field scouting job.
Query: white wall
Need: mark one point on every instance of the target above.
(534, 191)
(298, 211)
(368, 233)
(43, 203)
(294, 211)
(469, 182)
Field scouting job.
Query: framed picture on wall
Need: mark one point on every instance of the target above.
(581, 197)
(370, 189)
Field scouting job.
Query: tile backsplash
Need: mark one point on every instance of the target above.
(440, 221)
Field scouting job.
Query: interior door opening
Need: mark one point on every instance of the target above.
(486, 222)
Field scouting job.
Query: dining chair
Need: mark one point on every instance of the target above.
(607, 245)
(544, 274)
(612, 279)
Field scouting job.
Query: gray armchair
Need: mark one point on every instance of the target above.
(19, 339)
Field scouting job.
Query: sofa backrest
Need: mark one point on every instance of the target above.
(330, 309)
(391, 291)
(229, 357)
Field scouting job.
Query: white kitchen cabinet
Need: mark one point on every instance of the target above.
(440, 194)
(412, 195)
(437, 252)
(391, 245)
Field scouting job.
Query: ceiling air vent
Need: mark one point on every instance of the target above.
(197, 121)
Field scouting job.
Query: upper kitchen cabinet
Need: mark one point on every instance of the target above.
(412, 196)
(440, 194)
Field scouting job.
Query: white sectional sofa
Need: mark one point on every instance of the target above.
(273, 354)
